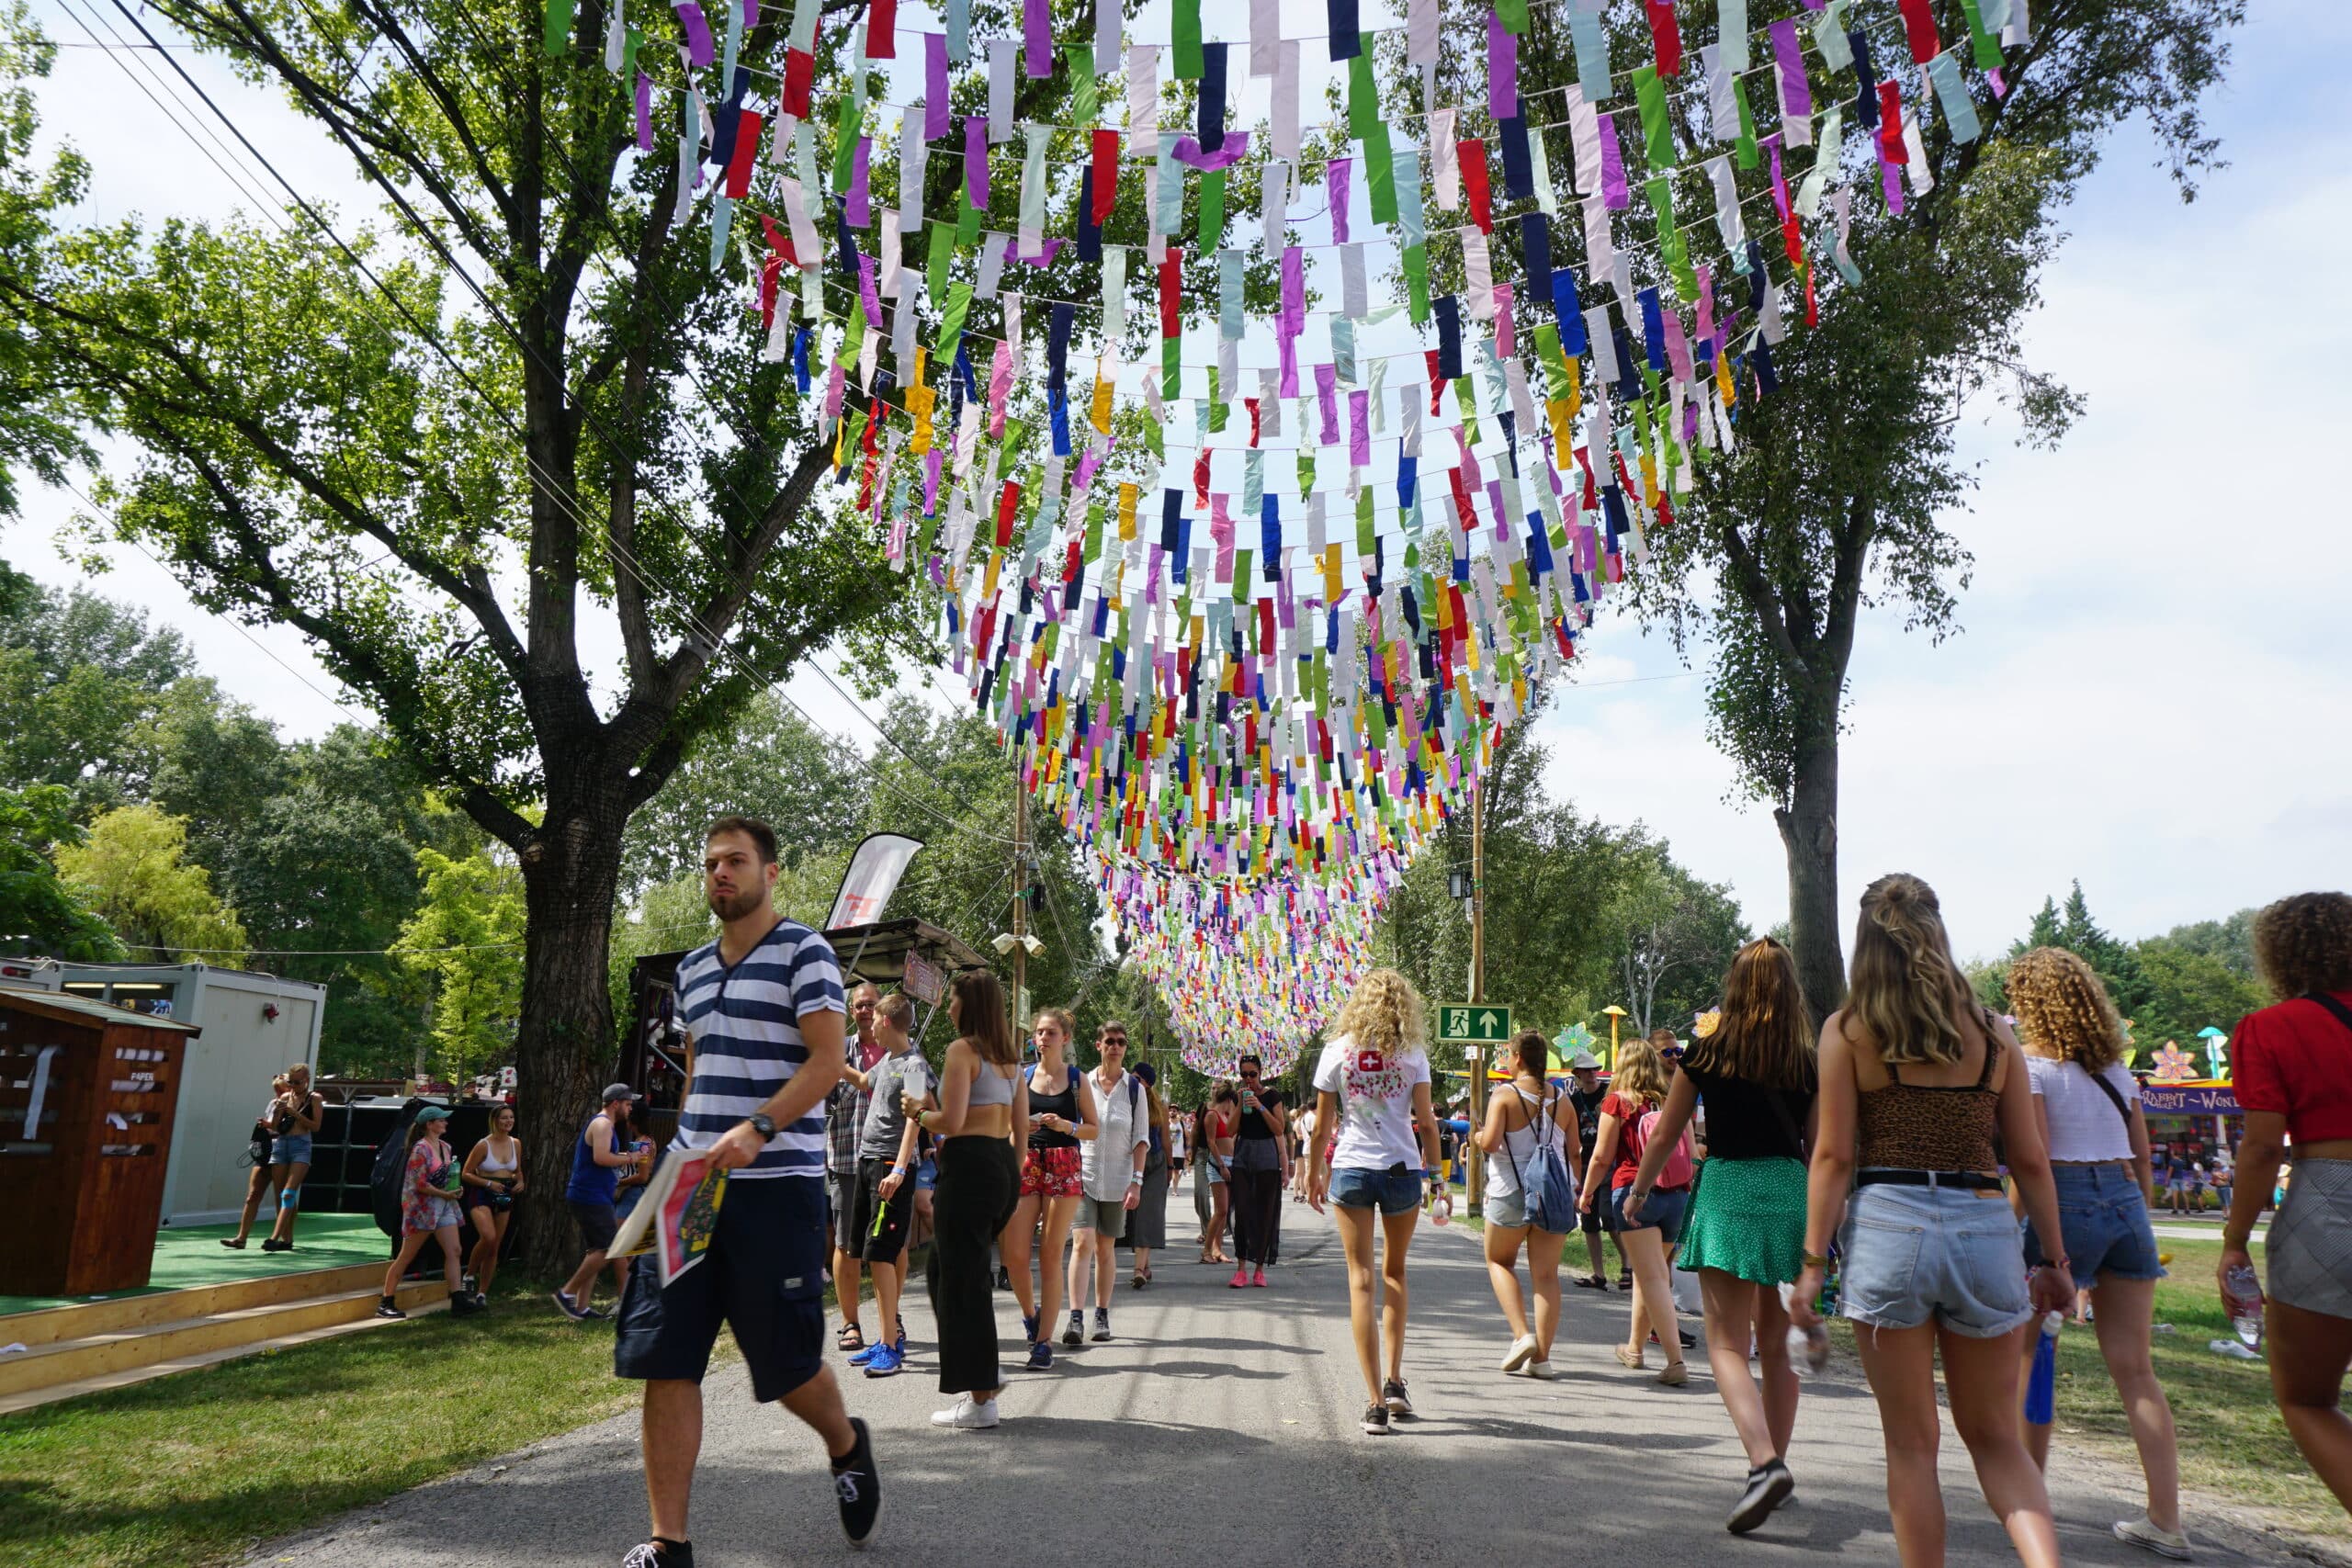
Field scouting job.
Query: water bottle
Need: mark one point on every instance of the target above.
(2241, 1294)
(2042, 1387)
(1808, 1348)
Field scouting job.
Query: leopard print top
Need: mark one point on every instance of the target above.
(1904, 1126)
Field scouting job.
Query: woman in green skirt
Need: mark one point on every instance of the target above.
(1746, 1231)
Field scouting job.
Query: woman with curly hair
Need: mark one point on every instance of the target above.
(2293, 1076)
(1745, 1232)
(1917, 1079)
(2088, 1106)
(1372, 1089)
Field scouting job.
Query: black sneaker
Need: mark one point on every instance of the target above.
(1076, 1333)
(464, 1305)
(1003, 1277)
(1392, 1393)
(1041, 1356)
(1376, 1421)
(387, 1308)
(1101, 1326)
(1769, 1486)
(1689, 1340)
(661, 1554)
(859, 1486)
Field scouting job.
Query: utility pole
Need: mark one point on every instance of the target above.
(1020, 898)
(1477, 1184)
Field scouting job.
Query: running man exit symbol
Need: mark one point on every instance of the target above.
(1472, 1023)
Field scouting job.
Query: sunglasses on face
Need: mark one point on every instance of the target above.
(1115, 1043)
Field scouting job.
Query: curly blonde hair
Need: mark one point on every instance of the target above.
(1385, 1013)
(2304, 944)
(2063, 1011)
(1639, 1073)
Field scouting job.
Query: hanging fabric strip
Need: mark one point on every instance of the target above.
(1335, 192)
(1723, 113)
(1273, 193)
(1355, 293)
(1265, 34)
(1477, 275)
(1107, 19)
(1584, 133)
(1919, 28)
(1796, 94)
(1829, 37)
(1591, 44)
(1951, 96)
(1212, 97)
(1614, 189)
(1284, 130)
(1833, 128)
(1448, 170)
(1502, 69)
(1002, 57)
(1657, 132)
(1421, 32)
(1666, 37)
(1186, 40)
(1727, 221)
(1546, 198)
(1114, 293)
(1599, 253)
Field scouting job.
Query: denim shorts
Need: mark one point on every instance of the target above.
(2105, 1220)
(1918, 1253)
(1661, 1211)
(1391, 1191)
(290, 1148)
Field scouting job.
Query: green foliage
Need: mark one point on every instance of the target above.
(132, 869)
(2072, 928)
(2170, 988)
(34, 906)
(771, 764)
(36, 434)
(1674, 936)
(82, 679)
(466, 938)
(669, 917)
(2188, 992)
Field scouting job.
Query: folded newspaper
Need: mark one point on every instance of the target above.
(678, 1215)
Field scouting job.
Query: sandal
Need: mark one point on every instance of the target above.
(851, 1338)
(1589, 1282)
(1138, 1282)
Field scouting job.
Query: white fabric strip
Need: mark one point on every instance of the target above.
(1584, 132)
(1003, 54)
(1447, 164)
(1283, 132)
(1143, 88)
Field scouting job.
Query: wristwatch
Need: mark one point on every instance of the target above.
(763, 1123)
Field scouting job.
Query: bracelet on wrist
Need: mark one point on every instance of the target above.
(1811, 1260)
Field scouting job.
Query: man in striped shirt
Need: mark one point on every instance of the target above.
(763, 1007)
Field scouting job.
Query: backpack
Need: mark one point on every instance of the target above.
(1678, 1170)
(1545, 1188)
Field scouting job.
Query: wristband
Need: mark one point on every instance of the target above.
(898, 1168)
(1811, 1260)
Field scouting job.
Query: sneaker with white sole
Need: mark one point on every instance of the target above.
(858, 1486)
(967, 1414)
(1076, 1333)
(1101, 1326)
(1522, 1350)
(1376, 1421)
(1392, 1393)
(1769, 1486)
(1541, 1370)
(2144, 1532)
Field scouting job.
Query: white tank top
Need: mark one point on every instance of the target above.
(489, 1160)
(1520, 1145)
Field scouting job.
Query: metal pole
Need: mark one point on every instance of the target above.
(1477, 1156)
(1020, 898)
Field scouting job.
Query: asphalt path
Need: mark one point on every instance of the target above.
(1219, 1429)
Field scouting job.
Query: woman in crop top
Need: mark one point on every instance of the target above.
(2294, 1078)
(1212, 1154)
(1532, 1118)
(1745, 1230)
(2090, 1113)
(981, 1099)
(493, 1179)
(1917, 1079)
(1061, 1115)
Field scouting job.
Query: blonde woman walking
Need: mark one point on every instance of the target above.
(1373, 1089)
(2088, 1107)
(1531, 1125)
(1918, 1078)
(1628, 1121)
(1745, 1230)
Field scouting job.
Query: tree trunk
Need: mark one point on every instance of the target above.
(564, 1045)
(1809, 833)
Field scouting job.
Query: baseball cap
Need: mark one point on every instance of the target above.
(429, 1112)
(1584, 1062)
(617, 1092)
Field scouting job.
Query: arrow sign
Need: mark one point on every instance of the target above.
(1474, 1023)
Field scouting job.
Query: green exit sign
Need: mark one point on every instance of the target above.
(1474, 1023)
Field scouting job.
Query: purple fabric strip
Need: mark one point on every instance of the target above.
(867, 292)
(1890, 179)
(1780, 180)
(937, 97)
(644, 112)
(699, 48)
(1359, 428)
(1045, 257)
(1502, 69)
(1292, 318)
(1334, 186)
(1327, 403)
(1678, 346)
(861, 199)
(1188, 153)
(1037, 38)
(1796, 94)
(976, 160)
(1614, 194)
(1286, 355)
(1706, 301)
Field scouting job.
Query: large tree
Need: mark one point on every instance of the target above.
(1838, 501)
(36, 434)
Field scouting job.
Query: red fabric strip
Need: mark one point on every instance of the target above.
(1472, 153)
(1106, 173)
(747, 149)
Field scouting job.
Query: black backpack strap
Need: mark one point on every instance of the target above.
(2341, 1013)
(2113, 1098)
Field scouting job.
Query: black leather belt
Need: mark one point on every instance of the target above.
(1966, 1181)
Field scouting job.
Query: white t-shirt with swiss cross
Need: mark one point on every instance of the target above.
(1376, 1096)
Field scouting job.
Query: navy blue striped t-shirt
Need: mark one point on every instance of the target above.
(745, 1024)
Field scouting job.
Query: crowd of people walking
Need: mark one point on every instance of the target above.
(1942, 1177)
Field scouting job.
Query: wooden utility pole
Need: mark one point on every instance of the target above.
(1476, 1157)
(1020, 899)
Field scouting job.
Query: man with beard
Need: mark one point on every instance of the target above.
(764, 1006)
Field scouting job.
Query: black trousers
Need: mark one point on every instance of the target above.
(979, 1183)
(1257, 1202)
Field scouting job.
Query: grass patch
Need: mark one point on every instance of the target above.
(2232, 1443)
(194, 1469)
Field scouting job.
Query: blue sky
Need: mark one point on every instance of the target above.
(2155, 625)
